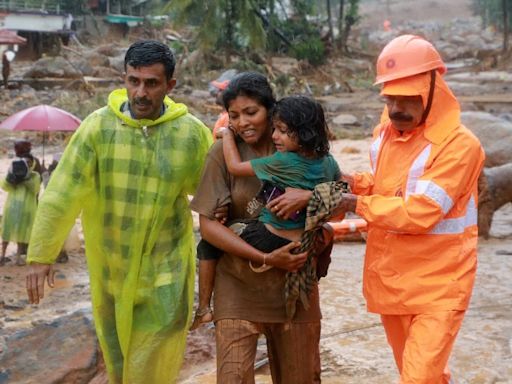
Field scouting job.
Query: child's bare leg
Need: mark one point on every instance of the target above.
(206, 283)
(22, 250)
(4, 249)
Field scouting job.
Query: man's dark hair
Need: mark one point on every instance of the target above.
(250, 84)
(148, 52)
(305, 120)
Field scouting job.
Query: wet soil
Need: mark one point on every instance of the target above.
(353, 345)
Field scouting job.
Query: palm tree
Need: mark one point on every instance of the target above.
(223, 23)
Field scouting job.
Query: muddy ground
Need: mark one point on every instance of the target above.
(353, 345)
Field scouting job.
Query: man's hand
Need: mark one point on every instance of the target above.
(36, 275)
(349, 179)
(283, 258)
(347, 204)
(292, 201)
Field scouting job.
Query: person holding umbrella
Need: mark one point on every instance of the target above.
(128, 169)
(22, 186)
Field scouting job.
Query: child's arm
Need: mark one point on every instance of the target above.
(235, 165)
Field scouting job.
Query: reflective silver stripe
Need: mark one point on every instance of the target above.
(459, 224)
(374, 151)
(417, 170)
(436, 193)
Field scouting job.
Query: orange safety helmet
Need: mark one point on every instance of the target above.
(405, 56)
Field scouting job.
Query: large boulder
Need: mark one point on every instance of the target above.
(56, 67)
(494, 133)
(64, 351)
(494, 191)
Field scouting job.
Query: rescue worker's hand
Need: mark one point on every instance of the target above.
(221, 213)
(292, 201)
(283, 258)
(348, 204)
(349, 179)
(36, 275)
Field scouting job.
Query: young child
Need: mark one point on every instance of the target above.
(302, 160)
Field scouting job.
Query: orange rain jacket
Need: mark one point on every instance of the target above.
(420, 202)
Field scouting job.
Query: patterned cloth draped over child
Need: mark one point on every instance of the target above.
(326, 197)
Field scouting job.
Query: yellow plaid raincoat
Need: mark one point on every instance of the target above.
(130, 179)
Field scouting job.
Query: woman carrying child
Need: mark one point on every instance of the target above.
(248, 303)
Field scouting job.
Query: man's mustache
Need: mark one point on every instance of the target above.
(141, 101)
(400, 116)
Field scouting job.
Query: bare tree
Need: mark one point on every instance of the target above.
(504, 5)
(329, 20)
(341, 15)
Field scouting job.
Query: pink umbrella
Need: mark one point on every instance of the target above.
(41, 118)
(44, 118)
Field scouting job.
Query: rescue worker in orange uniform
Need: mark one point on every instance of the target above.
(420, 202)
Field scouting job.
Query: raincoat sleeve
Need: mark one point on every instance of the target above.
(363, 183)
(70, 187)
(452, 175)
(6, 186)
(204, 141)
(34, 183)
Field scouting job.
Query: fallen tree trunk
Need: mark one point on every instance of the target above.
(494, 191)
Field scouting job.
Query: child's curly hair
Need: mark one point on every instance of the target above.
(305, 120)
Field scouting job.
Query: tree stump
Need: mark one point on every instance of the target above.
(494, 191)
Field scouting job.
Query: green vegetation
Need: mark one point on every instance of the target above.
(496, 13)
(239, 27)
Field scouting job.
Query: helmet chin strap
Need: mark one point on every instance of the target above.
(430, 96)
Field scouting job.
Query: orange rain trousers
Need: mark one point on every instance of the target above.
(422, 344)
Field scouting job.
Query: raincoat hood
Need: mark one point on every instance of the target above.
(444, 115)
(118, 97)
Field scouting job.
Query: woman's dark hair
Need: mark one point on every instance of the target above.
(148, 52)
(305, 120)
(250, 84)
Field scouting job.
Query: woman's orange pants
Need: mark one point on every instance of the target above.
(422, 344)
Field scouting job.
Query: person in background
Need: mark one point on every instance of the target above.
(7, 57)
(223, 119)
(420, 202)
(23, 148)
(128, 170)
(22, 186)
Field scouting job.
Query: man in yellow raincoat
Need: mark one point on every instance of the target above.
(420, 202)
(128, 169)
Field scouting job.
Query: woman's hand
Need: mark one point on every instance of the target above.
(221, 213)
(292, 201)
(283, 258)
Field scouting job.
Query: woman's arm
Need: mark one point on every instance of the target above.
(235, 165)
(223, 238)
